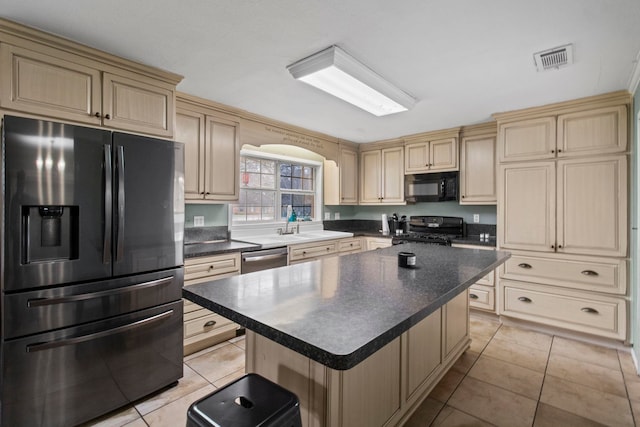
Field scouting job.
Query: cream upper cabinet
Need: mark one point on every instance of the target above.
(62, 85)
(190, 131)
(381, 176)
(137, 106)
(348, 176)
(592, 200)
(478, 170)
(527, 212)
(572, 206)
(597, 131)
(431, 156)
(212, 149)
(527, 139)
(50, 86)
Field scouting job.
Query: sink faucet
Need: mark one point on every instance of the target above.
(286, 229)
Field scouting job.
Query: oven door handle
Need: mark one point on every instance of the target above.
(39, 302)
(31, 348)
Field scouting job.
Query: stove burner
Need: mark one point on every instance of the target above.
(433, 239)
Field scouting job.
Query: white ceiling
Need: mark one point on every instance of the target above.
(462, 59)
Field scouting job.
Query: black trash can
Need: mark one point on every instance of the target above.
(249, 401)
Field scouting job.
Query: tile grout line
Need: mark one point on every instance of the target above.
(544, 377)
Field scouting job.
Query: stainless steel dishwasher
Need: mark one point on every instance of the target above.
(263, 259)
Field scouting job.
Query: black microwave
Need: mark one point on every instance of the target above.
(431, 187)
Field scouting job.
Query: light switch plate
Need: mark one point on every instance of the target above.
(476, 218)
(198, 221)
(336, 215)
(327, 215)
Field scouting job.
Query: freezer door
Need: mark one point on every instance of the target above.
(34, 311)
(148, 204)
(70, 376)
(57, 203)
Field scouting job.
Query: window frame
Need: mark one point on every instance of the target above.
(318, 192)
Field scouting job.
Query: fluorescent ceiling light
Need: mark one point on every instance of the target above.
(336, 72)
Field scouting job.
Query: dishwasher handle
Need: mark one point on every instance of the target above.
(256, 258)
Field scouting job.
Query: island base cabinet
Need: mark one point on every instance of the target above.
(384, 389)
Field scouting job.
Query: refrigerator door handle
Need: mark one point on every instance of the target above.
(120, 195)
(39, 302)
(96, 335)
(108, 205)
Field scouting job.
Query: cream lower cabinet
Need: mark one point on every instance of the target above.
(45, 81)
(382, 176)
(580, 293)
(373, 243)
(204, 328)
(482, 294)
(212, 151)
(309, 251)
(384, 389)
(350, 245)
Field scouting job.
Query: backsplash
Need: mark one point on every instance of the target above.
(205, 234)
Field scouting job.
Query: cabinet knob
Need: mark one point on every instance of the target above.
(328, 249)
(473, 296)
(553, 246)
(463, 196)
(553, 151)
(589, 273)
(559, 246)
(524, 299)
(209, 324)
(207, 193)
(524, 265)
(559, 150)
(108, 117)
(210, 267)
(97, 114)
(589, 310)
(202, 193)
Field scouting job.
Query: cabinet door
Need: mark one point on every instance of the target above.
(527, 139)
(190, 131)
(370, 176)
(592, 200)
(527, 213)
(478, 170)
(456, 322)
(348, 176)
(138, 106)
(392, 176)
(222, 151)
(416, 159)
(424, 353)
(443, 154)
(48, 86)
(599, 131)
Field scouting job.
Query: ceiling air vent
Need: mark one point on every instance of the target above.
(554, 58)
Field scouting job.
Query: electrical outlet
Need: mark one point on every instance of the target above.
(336, 215)
(327, 216)
(476, 218)
(198, 221)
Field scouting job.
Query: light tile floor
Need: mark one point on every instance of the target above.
(509, 377)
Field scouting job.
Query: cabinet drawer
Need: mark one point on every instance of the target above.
(482, 297)
(349, 245)
(312, 251)
(204, 324)
(196, 313)
(591, 274)
(210, 267)
(579, 311)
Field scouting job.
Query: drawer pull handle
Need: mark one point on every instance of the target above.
(589, 273)
(473, 296)
(524, 299)
(209, 324)
(524, 265)
(589, 310)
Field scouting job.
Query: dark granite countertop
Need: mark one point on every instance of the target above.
(216, 248)
(340, 310)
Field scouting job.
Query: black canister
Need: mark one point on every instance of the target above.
(407, 260)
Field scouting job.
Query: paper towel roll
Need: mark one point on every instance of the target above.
(385, 224)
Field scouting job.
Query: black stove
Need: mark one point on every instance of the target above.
(433, 230)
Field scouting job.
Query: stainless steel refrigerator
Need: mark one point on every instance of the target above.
(91, 310)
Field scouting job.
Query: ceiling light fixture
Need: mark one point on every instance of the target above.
(341, 75)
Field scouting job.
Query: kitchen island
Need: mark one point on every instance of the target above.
(360, 340)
